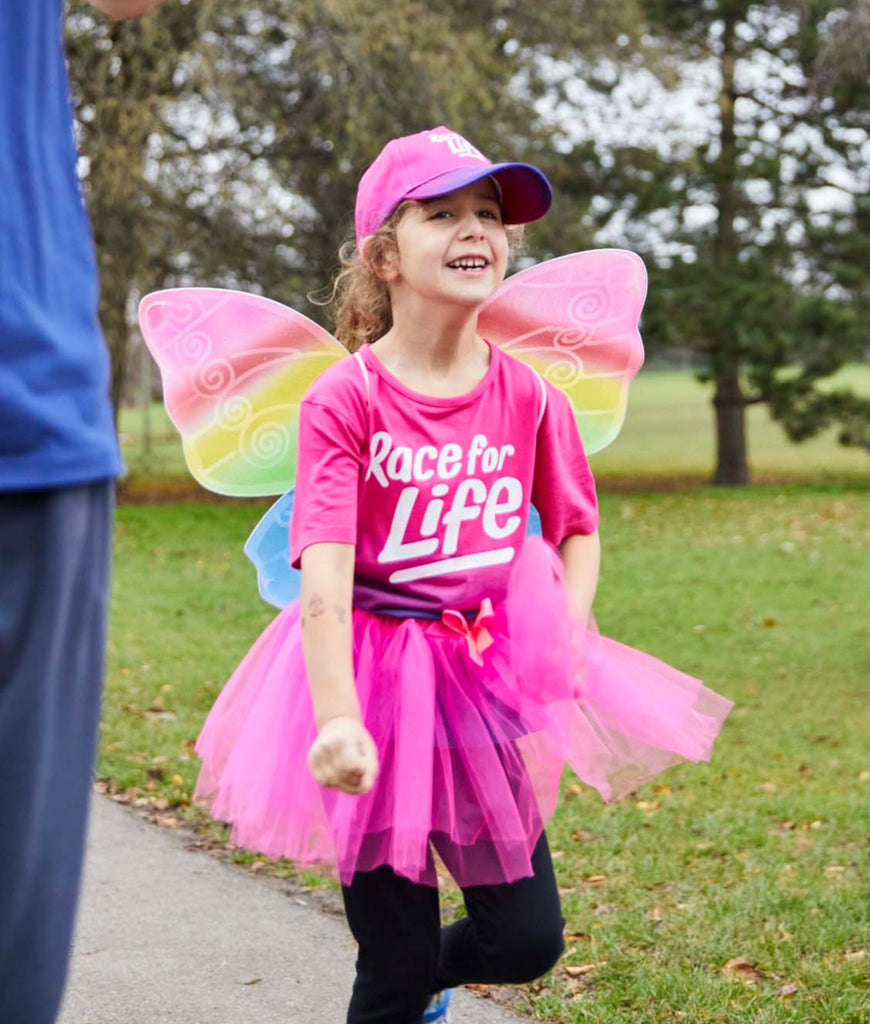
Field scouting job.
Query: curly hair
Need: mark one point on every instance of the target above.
(360, 296)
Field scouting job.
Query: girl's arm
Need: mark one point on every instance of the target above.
(344, 754)
(581, 555)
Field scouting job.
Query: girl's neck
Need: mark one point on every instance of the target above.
(437, 352)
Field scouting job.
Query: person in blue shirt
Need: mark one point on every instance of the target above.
(58, 460)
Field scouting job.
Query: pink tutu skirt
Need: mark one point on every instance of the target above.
(473, 724)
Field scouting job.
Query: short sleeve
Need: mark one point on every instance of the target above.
(563, 489)
(327, 480)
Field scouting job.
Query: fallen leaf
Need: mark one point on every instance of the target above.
(647, 805)
(579, 836)
(767, 787)
(857, 954)
(788, 989)
(656, 914)
(253, 981)
(579, 970)
(161, 716)
(605, 908)
(741, 969)
(595, 880)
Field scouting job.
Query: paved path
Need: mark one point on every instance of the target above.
(167, 934)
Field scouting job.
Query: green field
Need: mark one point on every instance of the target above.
(733, 892)
(668, 433)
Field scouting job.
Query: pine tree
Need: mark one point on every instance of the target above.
(767, 291)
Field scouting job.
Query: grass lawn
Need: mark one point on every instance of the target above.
(734, 892)
(668, 433)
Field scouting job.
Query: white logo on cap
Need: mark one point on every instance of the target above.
(458, 145)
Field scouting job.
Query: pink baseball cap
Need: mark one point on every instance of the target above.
(438, 161)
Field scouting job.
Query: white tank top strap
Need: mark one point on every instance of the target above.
(363, 369)
(543, 387)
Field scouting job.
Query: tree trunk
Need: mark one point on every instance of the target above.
(732, 468)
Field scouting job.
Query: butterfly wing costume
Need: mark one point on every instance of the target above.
(475, 709)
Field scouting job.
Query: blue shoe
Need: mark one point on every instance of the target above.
(436, 1011)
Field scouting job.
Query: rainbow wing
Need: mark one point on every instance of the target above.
(575, 320)
(235, 367)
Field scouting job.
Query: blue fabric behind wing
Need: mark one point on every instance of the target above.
(268, 548)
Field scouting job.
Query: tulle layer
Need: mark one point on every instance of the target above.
(470, 754)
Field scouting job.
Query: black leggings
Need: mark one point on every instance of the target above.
(513, 933)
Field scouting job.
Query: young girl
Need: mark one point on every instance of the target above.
(437, 672)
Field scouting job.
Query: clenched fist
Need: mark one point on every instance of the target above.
(344, 756)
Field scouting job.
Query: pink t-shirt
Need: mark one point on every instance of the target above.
(435, 492)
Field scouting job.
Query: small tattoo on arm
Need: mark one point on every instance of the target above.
(316, 606)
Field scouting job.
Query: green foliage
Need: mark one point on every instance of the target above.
(776, 282)
(224, 144)
(123, 74)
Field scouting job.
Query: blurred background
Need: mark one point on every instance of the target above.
(729, 144)
(726, 142)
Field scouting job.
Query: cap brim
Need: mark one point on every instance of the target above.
(525, 192)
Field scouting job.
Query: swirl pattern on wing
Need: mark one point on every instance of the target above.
(235, 367)
(575, 320)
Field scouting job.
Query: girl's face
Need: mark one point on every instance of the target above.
(452, 249)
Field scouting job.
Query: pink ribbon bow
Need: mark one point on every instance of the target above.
(477, 636)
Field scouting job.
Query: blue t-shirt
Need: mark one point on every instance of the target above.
(55, 415)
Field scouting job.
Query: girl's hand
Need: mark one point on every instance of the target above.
(344, 756)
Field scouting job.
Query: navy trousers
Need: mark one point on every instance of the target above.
(54, 560)
(512, 934)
